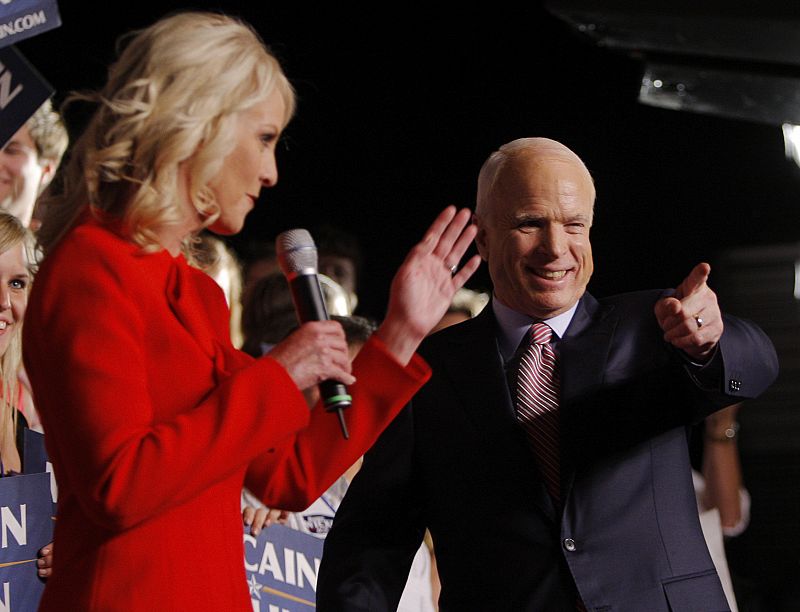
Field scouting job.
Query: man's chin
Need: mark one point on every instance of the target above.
(550, 304)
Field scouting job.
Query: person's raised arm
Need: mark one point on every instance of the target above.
(722, 470)
(425, 283)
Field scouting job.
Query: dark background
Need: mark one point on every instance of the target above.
(399, 105)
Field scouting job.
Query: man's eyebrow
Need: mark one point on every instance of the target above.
(579, 217)
(525, 215)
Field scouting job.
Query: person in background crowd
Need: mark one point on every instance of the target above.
(258, 261)
(268, 312)
(340, 258)
(28, 162)
(15, 280)
(16, 275)
(722, 499)
(153, 420)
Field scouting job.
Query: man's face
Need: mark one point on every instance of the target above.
(534, 234)
(21, 176)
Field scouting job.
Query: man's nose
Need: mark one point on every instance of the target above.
(554, 240)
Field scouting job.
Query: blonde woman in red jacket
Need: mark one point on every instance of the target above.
(152, 419)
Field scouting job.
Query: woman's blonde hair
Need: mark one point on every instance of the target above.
(214, 257)
(171, 97)
(12, 233)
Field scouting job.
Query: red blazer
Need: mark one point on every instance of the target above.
(154, 421)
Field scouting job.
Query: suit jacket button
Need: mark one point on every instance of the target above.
(569, 544)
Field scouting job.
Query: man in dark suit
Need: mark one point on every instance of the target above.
(621, 533)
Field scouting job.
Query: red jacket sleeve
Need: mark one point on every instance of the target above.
(292, 475)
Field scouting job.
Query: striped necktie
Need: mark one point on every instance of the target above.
(537, 403)
(537, 409)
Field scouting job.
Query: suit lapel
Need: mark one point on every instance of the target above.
(583, 351)
(474, 365)
(476, 368)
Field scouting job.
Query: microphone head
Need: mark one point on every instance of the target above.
(297, 253)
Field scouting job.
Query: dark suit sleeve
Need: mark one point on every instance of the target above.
(377, 529)
(743, 367)
(647, 386)
(750, 363)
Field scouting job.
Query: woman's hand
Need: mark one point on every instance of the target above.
(426, 282)
(314, 352)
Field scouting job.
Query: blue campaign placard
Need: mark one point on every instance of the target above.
(34, 453)
(25, 526)
(282, 566)
(22, 91)
(21, 19)
(35, 461)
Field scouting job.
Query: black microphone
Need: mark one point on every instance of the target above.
(297, 257)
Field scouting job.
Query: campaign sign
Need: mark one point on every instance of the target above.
(22, 91)
(35, 461)
(25, 526)
(282, 566)
(34, 453)
(21, 19)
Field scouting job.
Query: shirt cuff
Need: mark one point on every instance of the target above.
(705, 375)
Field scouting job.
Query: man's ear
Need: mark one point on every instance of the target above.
(480, 238)
(49, 167)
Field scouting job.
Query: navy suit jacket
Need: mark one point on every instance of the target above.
(456, 461)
